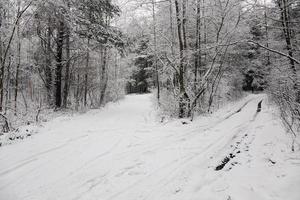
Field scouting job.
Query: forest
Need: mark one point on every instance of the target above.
(195, 55)
(149, 99)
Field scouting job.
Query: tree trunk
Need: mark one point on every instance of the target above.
(175, 75)
(171, 28)
(184, 21)
(267, 33)
(18, 65)
(2, 85)
(104, 77)
(8, 85)
(68, 59)
(155, 54)
(204, 30)
(197, 45)
(77, 97)
(67, 73)
(1, 65)
(86, 75)
(48, 65)
(59, 64)
(183, 97)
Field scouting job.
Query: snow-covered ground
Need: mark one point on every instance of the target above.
(122, 152)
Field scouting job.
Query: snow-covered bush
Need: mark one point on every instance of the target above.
(168, 104)
(284, 94)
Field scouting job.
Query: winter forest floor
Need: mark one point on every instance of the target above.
(122, 152)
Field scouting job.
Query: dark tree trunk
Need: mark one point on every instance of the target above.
(267, 33)
(68, 59)
(86, 74)
(59, 65)
(2, 85)
(1, 68)
(18, 67)
(184, 20)
(104, 78)
(77, 92)
(67, 73)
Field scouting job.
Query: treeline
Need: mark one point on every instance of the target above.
(59, 54)
(205, 52)
(197, 54)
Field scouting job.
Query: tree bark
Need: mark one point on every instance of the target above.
(48, 65)
(204, 30)
(86, 75)
(18, 64)
(184, 21)
(8, 84)
(104, 78)
(171, 27)
(67, 73)
(183, 97)
(267, 33)
(59, 64)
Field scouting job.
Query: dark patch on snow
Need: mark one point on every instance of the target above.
(222, 165)
(235, 150)
(177, 190)
(17, 136)
(273, 162)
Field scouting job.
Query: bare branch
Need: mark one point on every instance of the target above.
(274, 51)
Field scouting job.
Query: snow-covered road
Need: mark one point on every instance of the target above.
(121, 152)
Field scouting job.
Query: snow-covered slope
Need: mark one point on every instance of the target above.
(122, 152)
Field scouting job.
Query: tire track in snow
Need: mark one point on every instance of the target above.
(33, 158)
(159, 177)
(101, 155)
(245, 128)
(157, 146)
(176, 166)
(19, 165)
(94, 182)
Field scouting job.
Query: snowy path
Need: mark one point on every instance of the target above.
(121, 153)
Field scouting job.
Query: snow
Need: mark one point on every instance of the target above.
(123, 152)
